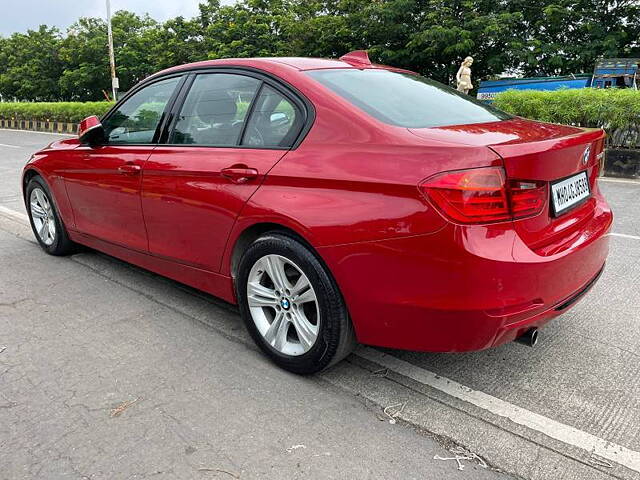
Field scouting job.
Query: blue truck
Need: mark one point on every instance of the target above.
(608, 73)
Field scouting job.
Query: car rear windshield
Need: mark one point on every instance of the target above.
(406, 100)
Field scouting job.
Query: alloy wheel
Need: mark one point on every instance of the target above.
(43, 216)
(283, 305)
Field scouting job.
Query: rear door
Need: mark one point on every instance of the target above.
(229, 129)
(104, 181)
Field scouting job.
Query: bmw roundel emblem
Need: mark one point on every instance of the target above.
(285, 303)
(585, 155)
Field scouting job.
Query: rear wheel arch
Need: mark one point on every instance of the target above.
(251, 233)
(255, 231)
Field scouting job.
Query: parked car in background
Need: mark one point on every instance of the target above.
(334, 201)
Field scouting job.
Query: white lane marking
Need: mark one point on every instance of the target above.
(33, 131)
(624, 235)
(22, 217)
(618, 180)
(551, 428)
(9, 146)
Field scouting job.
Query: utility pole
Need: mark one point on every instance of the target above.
(115, 84)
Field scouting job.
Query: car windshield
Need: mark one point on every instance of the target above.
(406, 100)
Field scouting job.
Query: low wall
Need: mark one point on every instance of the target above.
(622, 162)
(40, 126)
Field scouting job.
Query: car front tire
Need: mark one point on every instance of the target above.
(45, 220)
(291, 305)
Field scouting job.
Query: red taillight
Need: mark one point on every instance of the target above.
(527, 197)
(483, 195)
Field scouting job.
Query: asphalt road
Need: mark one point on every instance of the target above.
(84, 335)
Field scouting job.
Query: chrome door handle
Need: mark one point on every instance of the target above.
(239, 174)
(129, 169)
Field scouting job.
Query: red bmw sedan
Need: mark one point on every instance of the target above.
(335, 201)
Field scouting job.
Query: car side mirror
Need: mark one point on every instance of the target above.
(90, 130)
(278, 119)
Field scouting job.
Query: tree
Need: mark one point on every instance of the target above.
(431, 37)
(567, 36)
(85, 53)
(133, 38)
(175, 42)
(31, 65)
(427, 36)
(249, 28)
(448, 31)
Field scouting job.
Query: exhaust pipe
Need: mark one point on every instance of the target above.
(529, 338)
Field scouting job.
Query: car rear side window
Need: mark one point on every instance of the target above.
(406, 100)
(275, 121)
(215, 109)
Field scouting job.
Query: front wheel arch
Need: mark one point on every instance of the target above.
(26, 178)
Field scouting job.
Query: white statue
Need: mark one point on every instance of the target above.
(463, 77)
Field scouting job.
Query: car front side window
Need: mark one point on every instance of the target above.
(135, 121)
(214, 110)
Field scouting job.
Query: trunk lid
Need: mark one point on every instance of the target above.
(541, 152)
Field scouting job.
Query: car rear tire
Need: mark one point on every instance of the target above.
(291, 305)
(45, 220)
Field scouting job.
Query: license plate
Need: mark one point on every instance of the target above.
(569, 192)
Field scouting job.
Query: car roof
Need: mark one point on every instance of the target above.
(309, 63)
(294, 63)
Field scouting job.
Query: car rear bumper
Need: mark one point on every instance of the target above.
(463, 288)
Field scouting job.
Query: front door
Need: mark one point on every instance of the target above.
(230, 131)
(104, 181)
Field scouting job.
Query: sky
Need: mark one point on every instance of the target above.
(20, 15)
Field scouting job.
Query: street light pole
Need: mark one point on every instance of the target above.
(112, 60)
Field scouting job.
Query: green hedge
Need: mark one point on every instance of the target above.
(72, 112)
(615, 110)
(585, 107)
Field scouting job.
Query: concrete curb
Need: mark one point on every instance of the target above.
(505, 446)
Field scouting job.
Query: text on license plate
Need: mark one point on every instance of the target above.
(568, 192)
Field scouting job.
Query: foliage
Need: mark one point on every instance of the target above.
(86, 62)
(615, 110)
(428, 36)
(566, 36)
(52, 111)
(249, 28)
(30, 65)
(586, 107)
